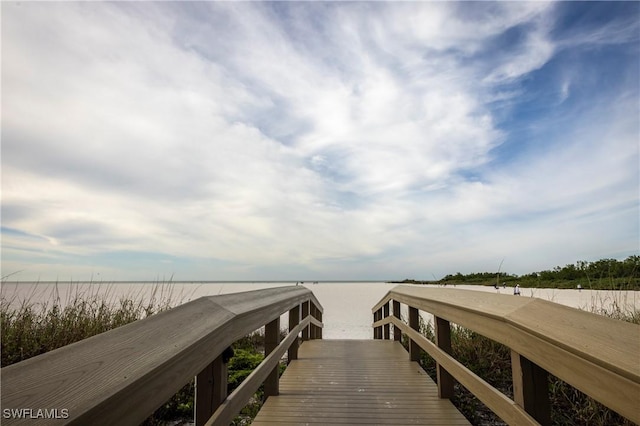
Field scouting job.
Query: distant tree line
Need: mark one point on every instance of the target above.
(478, 277)
(603, 268)
(600, 269)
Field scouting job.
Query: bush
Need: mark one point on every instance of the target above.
(241, 365)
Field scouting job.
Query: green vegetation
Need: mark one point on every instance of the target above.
(492, 362)
(29, 329)
(604, 274)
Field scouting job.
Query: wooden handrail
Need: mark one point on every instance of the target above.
(595, 354)
(123, 375)
(239, 398)
(493, 398)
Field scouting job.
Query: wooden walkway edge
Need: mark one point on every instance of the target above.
(368, 382)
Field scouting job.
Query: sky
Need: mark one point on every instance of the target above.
(317, 140)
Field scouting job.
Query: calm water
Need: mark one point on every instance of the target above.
(347, 305)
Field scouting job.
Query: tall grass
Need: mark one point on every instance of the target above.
(615, 305)
(492, 362)
(30, 328)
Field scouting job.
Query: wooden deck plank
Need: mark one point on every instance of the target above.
(356, 382)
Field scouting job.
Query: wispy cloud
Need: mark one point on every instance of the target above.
(223, 140)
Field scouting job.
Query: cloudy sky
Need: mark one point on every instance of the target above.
(317, 141)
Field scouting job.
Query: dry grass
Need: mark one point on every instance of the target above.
(31, 328)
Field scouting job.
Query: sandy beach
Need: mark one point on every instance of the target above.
(347, 305)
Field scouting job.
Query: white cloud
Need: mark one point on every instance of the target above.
(310, 136)
(536, 51)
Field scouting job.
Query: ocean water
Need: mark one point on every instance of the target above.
(347, 305)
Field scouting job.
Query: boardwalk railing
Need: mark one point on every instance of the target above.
(120, 377)
(595, 354)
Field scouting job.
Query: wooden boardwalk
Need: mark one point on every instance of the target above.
(356, 382)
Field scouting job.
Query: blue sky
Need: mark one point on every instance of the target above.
(317, 141)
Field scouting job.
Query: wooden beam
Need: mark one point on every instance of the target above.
(531, 388)
(376, 329)
(414, 349)
(312, 329)
(443, 340)
(211, 390)
(385, 313)
(305, 313)
(319, 331)
(315, 313)
(397, 333)
(271, 342)
(294, 320)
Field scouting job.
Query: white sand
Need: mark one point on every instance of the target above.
(347, 306)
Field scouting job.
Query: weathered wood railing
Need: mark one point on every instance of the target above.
(597, 355)
(120, 377)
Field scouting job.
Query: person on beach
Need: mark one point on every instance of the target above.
(516, 290)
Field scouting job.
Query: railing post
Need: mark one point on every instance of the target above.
(312, 327)
(211, 389)
(397, 334)
(531, 388)
(305, 313)
(294, 320)
(385, 313)
(377, 331)
(271, 341)
(443, 340)
(414, 349)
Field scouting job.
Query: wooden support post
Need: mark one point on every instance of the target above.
(311, 313)
(397, 334)
(211, 390)
(377, 331)
(375, 318)
(312, 327)
(294, 320)
(414, 349)
(443, 340)
(271, 341)
(305, 313)
(319, 332)
(531, 388)
(385, 313)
